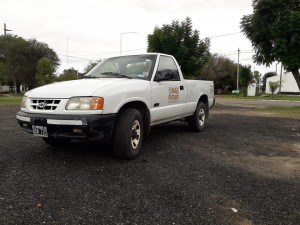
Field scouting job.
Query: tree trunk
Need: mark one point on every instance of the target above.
(18, 87)
(15, 84)
(297, 76)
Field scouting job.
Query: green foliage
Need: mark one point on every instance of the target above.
(246, 77)
(21, 59)
(45, 71)
(257, 76)
(274, 85)
(3, 79)
(274, 30)
(267, 75)
(68, 74)
(90, 66)
(184, 43)
(222, 71)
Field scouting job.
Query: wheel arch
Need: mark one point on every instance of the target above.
(143, 109)
(204, 99)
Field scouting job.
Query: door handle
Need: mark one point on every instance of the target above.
(181, 87)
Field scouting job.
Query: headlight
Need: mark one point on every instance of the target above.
(85, 103)
(24, 102)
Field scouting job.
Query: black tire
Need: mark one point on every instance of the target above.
(128, 134)
(56, 142)
(197, 121)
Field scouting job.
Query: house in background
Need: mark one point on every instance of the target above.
(288, 84)
(7, 89)
(4, 88)
(251, 90)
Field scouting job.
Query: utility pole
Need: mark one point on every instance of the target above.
(238, 72)
(67, 50)
(5, 30)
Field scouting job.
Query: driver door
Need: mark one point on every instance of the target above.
(168, 92)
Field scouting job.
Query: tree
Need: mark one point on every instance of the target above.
(257, 79)
(246, 77)
(274, 85)
(222, 71)
(68, 74)
(2, 74)
(267, 75)
(257, 76)
(45, 71)
(273, 29)
(90, 66)
(13, 48)
(184, 43)
(21, 59)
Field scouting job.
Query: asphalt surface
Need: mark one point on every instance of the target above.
(244, 169)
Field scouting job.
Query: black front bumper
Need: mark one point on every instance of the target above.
(70, 126)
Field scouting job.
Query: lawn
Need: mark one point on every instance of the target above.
(284, 111)
(10, 99)
(262, 97)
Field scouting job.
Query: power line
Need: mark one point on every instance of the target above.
(105, 53)
(75, 57)
(230, 54)
(33, 10)
(246, 59)
(84, 21)
(66, 16)
(85, 59)
(146, 18)
(222, 35)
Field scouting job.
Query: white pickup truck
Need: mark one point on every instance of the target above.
(118, 100)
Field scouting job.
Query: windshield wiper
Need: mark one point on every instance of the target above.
(116, 74)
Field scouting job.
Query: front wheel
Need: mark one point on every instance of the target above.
(128, 134)
(197, 121)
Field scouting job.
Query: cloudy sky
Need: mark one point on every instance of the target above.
(86, 30)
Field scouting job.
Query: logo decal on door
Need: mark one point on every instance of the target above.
(173, 94)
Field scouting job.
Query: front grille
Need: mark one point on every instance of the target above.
(44, 104)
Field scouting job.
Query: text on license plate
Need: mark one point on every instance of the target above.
(39, 131)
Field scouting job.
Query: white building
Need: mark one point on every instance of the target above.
(4, 88)
(251, 91)
(288, 83)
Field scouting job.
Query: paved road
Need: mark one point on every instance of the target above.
(244, 169)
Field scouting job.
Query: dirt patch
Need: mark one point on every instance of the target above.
(232, 211)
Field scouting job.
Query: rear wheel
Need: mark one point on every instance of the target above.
(56, 142)
(197, 121)
(128, 134)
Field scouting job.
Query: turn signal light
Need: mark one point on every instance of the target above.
(96, 103)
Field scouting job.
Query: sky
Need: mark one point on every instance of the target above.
(80, 31)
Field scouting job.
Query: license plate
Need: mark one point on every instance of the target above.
(39, 131)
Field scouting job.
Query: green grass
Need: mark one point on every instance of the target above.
(262, 97)
(284, 111)
(11, 99)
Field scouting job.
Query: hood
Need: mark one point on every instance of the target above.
(68, 89)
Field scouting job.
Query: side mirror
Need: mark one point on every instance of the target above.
(164, 75)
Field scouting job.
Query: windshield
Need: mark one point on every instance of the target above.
(136, 67)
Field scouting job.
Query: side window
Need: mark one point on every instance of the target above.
(167, 63)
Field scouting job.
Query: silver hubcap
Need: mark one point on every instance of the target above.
(201, 117)
(135, 134)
